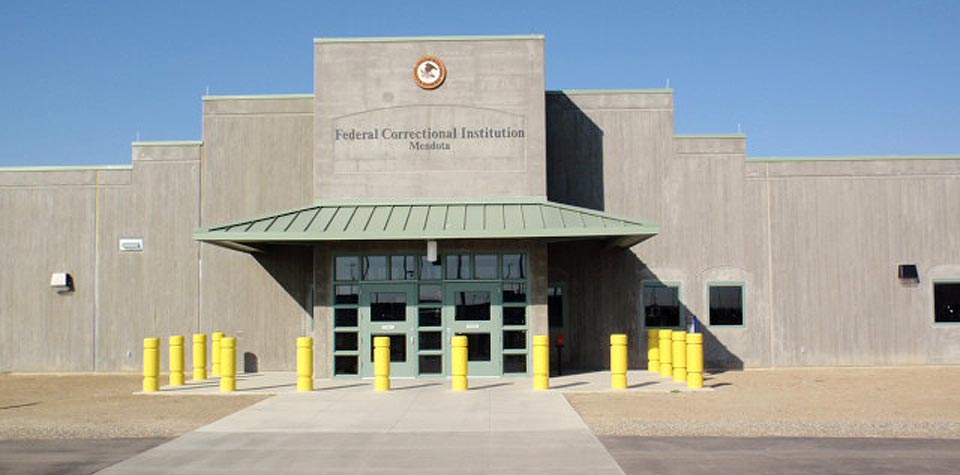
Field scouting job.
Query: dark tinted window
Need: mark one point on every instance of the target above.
(375, 268)
(388, 307)
(472, 305)
(430, 270)
(726, 305)
(403, 268)
(946, 302)
(661, 306)
(555, 306)
(347, 268)
(486, 266)
(346, 294)
(513, 266)
(458, 267)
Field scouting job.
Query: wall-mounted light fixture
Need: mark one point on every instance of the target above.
(907, 273)
(61, 282)
(432, 255)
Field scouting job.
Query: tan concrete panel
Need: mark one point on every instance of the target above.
(270, 105)
(369, 87)
(47, 230)
(836, 246)
(709, 145)
(47, 178)
(861, 168)
(152, 293)
(257, 159)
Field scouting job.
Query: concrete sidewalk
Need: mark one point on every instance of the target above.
(285, 382)
(500, 426)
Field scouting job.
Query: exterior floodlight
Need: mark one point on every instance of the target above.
(61, 282)
(907, 273)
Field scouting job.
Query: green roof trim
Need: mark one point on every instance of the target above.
(405, 39)
(255, 97)
(864, 158)
(609, 91)
(391, 220)
(66, 168)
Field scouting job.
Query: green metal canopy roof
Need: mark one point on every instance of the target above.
(389, 220)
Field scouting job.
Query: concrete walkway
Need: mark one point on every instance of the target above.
(285, 382)
(500, 426)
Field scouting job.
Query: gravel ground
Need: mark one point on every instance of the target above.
(85, 406)
(876, 402)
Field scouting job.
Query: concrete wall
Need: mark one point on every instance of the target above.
(258, 154)
(72, 220)
(368, 86)
(816, 244)
(49, 226)
(152, 293)
(838, 231)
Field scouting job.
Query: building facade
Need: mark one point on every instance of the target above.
(430, 187)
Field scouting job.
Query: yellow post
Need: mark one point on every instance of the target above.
(305, 364)
(679, 357)
(653, 350)
(618, 361)
(177, 360)
(541, 362)
(666, 353)
(695, 360)
(459, 363)
(151, 365)
(199, 356)
(217, 337)
(228, 364)
(381, 363)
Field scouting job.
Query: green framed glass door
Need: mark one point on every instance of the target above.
(474, 310)
(389, 310)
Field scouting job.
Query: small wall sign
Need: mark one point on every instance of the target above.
(131, 245)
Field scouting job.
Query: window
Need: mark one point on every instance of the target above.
(946, 302)
(555, 306)
(458, 267)
(661, 305)
(726, 304)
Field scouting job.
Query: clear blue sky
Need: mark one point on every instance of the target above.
(80, 80)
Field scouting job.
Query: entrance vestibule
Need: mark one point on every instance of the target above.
(421, 305)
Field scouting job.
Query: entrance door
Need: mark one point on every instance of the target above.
(474, 310)
(389, 310)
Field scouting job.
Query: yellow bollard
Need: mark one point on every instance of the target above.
(199, 356)
(541, 362)
(679, 357)
(666, 353)
(151, 365)
(618, 361)
(217, 337)
(381, 363)
(177, 360)
(459, 363)
(695, 360)
(228, 364)
(304, 364)
(653, 350)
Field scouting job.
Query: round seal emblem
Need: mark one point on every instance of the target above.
(429, 72)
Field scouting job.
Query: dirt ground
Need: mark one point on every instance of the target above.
(101, 407)
(875, 402)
